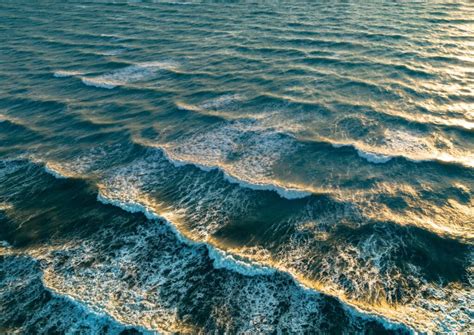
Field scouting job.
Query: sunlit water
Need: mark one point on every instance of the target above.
(259, 168)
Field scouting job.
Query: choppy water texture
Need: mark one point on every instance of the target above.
(239, 168)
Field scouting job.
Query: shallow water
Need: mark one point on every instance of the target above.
(201, 168)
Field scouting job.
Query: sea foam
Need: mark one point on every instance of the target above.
(65, 74)
(373, 158)
(129, 74)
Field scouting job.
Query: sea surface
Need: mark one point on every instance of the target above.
(237, 168)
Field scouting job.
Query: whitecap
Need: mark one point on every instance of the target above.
(418, 148)
(373, 158)
(113, 52)
(129, 74)
(284, 192)
(221, 260)
(65, 73)
(55, 171)
(101, 82)
(221, 101)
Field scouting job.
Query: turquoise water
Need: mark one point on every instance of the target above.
(236, 168)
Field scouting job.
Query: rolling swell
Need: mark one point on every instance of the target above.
(275, 234)
(129, 239)
(267, 153)
(131, 206)
(125, 179)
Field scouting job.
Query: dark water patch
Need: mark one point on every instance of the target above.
(271, 51)
(46, 208)
(320, 43)
(31, 107)
(13, 133)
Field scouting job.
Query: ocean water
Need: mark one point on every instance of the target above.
(239, 168)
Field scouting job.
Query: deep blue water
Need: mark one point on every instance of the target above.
(236, 168)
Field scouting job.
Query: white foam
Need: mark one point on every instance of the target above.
(113, 52)
(133, 207)
(65, 74)
(222, 101)
(373, 158)
(81, 164)
(287, 193)
(228, 262)
(412, 147)
(420, 148)
(93, 313)
(129, 74)
(101, 82)
(370, 156)
(54, 171)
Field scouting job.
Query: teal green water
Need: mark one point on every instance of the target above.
(236, 168)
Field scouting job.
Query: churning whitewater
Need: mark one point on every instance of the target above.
(183, 168)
